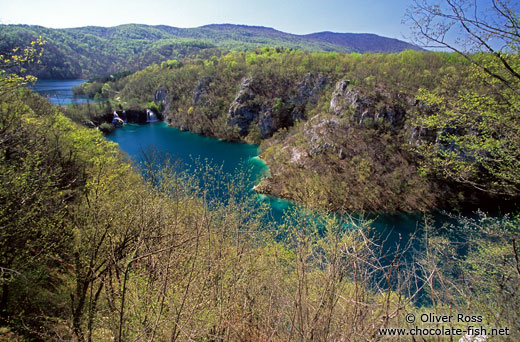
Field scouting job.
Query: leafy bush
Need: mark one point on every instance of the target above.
(106, 127)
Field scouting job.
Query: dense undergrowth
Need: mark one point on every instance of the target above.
(92, 250)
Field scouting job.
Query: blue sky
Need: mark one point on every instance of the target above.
(382, 17)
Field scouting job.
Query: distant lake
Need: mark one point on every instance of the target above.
(59, 92)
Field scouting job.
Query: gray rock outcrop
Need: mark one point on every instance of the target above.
(201, 91)
(319, 134)
(160, 96)
(89, 124)
(307, 92)
(244, 109)
(369, 110)
(250, 107)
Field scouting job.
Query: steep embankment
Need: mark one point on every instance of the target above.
(338, 131)
(354, 156)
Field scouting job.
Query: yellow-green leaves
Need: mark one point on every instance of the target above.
(477, 128)
(18, 58)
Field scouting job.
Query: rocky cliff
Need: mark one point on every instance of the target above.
(259, 107)
(251, 107)
(378, 109)
(353, 155)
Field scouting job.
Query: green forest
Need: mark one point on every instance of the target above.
(94, 247)
(90, 52)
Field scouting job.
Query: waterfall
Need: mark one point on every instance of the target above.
(117, 121)
(150, 116)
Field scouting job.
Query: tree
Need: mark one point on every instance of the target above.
(494, 28)
(478, 272)
(473, 112)
(13, 62)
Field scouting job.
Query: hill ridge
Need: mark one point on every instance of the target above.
(89, 51)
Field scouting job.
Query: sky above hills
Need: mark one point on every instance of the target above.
(381, 17)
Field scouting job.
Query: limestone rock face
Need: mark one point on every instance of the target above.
(244, 109)
(269, 114)
(381, 109)
(201, 91)
(376, 110)
(417, 134)
(266, 123)
(160, 96)
(132, 116)
(308, 89)
(318, 133)
(299, 156)
(89, 124)
(307, 92)
(116, 120)
(343, 98)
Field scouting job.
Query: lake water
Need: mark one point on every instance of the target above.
(191, 152)
(228, 158)
(59, 92)
(232, 158)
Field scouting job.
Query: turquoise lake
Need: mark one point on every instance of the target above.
(231, 158)
(59, 92)
(186, 148)
(191, 150)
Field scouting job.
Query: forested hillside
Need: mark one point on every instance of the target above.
(339, 131)
(94, 249)
(88, 52)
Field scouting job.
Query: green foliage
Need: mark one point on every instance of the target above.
(476, 128)
(89, 89)
(44, 163)
(171, 64)
(92, 250)
(87, 53)
(255, 135)
(106, 127)
(86, 112)
(279, 81)
(93, 51)
(481, 267)
(13, 64)
(363, 170)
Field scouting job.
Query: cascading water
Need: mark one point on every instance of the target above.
(116, 120)
(150, 116)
